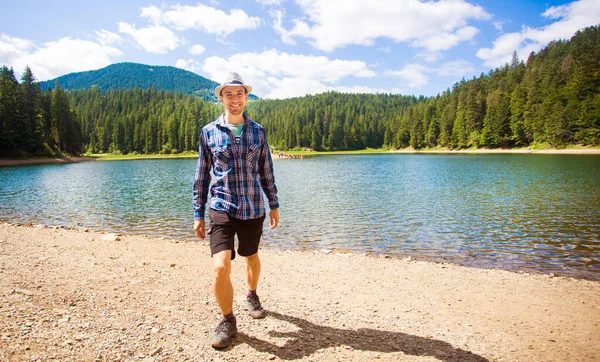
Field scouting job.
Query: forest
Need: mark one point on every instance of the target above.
(552, 98)
(131, 75)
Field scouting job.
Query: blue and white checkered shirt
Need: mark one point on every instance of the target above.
(242, 167)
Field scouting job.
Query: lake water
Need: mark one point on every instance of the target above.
(536, 213)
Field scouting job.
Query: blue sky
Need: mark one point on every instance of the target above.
(288, 48)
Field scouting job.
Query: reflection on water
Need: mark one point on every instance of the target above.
(525, 212)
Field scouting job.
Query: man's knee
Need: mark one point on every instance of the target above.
(252, 258)
(222, 264)
(253, 261)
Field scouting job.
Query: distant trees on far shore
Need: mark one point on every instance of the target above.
(553, 98)
(33, 123)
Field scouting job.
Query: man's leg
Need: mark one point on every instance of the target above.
(222, 287)
(223, 291)
(253, 274)
(253, 271)
(249, 233)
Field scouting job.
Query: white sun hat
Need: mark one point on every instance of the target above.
(233, 80)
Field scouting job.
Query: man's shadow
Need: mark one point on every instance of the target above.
(313, 337)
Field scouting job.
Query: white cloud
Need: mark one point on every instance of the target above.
(417, 75)
(287, 36)
(429, 57)
(56, 58)
(208, 19)
(504, 47)
(269, 2)
(362, 89)
(330, 26)
(499, 25)
(293, 87)
(277, 16)
(12, 49)
(457, 68)
(190, 64)
(275, 74)
(447, 40)
(154, 39)
(153, 14)
(197, 49)
(414, 74)
(297, 87)
(106, 37)
(570, 18)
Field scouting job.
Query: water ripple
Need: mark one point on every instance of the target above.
(516, 212)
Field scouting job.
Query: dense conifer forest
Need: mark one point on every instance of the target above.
(552, 98)
(133, 75)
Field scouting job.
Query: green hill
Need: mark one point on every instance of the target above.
(132, 75)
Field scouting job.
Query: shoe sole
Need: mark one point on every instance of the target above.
(221, 346)
(223, 343)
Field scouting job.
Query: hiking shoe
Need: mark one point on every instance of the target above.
(254, 307)
(223, 334)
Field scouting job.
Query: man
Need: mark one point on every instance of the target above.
(235, 148)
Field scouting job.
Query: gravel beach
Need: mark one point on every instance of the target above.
(79, 295)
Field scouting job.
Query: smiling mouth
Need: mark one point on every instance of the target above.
(235, 109)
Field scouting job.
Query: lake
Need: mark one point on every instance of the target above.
(534, 213)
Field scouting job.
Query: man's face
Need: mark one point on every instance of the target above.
(234, 98)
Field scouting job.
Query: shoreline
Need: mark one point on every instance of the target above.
(331, 250)
(550, 151)
(77, 295)
(44, 161)
(57, 160)
(566, 151)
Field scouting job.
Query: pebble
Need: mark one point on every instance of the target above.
(111, 237)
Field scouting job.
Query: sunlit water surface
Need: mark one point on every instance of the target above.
(518, 212)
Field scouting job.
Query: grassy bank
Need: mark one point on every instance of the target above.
(539, 148)
(114, 156)
(305, 152)
(542, 149)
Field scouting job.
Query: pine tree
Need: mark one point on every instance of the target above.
(9, 112)
(31, 138)
(63, 128)
(517, 110)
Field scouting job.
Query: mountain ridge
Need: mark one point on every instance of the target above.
(127, 75)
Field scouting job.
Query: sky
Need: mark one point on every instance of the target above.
(290, 48)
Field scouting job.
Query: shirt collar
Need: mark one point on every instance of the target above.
(222, 119)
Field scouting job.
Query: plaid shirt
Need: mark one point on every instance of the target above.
(242, 169)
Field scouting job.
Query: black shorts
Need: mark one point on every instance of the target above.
(223, 227)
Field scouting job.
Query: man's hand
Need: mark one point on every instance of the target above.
(199, 228)
(274, 216)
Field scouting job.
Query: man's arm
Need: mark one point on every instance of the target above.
(267, 181)
(267, 178)
(200, 189)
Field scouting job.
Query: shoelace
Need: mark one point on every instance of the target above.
(255, 303)
(224, 326)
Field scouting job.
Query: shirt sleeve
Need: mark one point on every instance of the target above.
(267, 178)
(202, 180)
